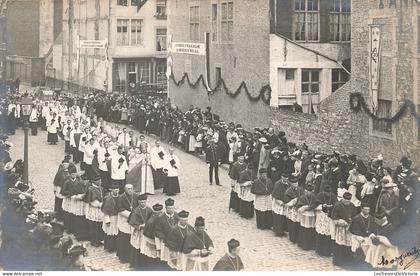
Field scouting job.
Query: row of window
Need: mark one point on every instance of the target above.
(306, 18)
(160, 6)
(134, 36)
(132, 73)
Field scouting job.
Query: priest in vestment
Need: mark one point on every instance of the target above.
(262, 188)
(110, 219)
(148, 244)
(279, 215)
(65, 192)
(163, 226)
(290, 199)
(60, 177)
(234, 174)
(306, 205)
(175, 241)
(324, 202)
(197, 247)
(231, 261)
(127, 202)
(78, 208)
(137, 220)
(173, 165)
(141, 176)
(94, 200)
(246, 198)
(364, 229)
(342, 214)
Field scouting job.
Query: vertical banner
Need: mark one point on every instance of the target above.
(207, 66)
(374, 64)
(78, 52)
(169, 60)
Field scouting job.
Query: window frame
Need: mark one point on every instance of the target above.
(159, 5)
(148, 70)
(120, 34)
(374, 125)
(139, 35)
(305, 13)
(229, 20)
(122, 5)
(336, 28)
(214, 22)
(194, 22)
(157, 36)
(310, 82)
(340, 82)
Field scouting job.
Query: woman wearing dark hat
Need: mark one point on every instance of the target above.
(342, 214)
(110, 219)
(324, 202)
(197, 247)
(306, 205)
(262, 188)
(231, 261)
(290, 199)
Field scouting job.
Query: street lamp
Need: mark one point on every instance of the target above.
(26, 105)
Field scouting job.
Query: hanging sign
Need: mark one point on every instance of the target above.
(93, 44)
(375, 63)
(189, 48)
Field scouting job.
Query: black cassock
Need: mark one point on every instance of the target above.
(279, 221)
(364, 227)
(110, 208)
(80, 223)
(293, 226)
(306, 236)
(59, 179)
(342, 255)
(234, 174)
(96, 234)
(125, 203)
(138, 217)
(227, 263)
(324, 243)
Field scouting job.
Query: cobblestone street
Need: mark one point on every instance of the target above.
(261, 250)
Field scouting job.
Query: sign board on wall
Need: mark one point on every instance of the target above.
(375, 63)
(93, 44)
(189, 48)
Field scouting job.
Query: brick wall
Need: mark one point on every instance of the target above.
(246, 59)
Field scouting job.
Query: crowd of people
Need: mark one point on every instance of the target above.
(336, 204)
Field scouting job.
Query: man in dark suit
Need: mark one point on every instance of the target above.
(213, 159)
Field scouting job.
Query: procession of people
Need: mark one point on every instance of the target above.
(342, 207)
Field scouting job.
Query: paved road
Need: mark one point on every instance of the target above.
(260, 250)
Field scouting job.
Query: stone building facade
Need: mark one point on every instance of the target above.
(134, 55)
(29, 33)
(335, 126)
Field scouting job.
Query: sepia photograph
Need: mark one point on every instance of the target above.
(210, 135)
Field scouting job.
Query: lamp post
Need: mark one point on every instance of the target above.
(26, 105)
